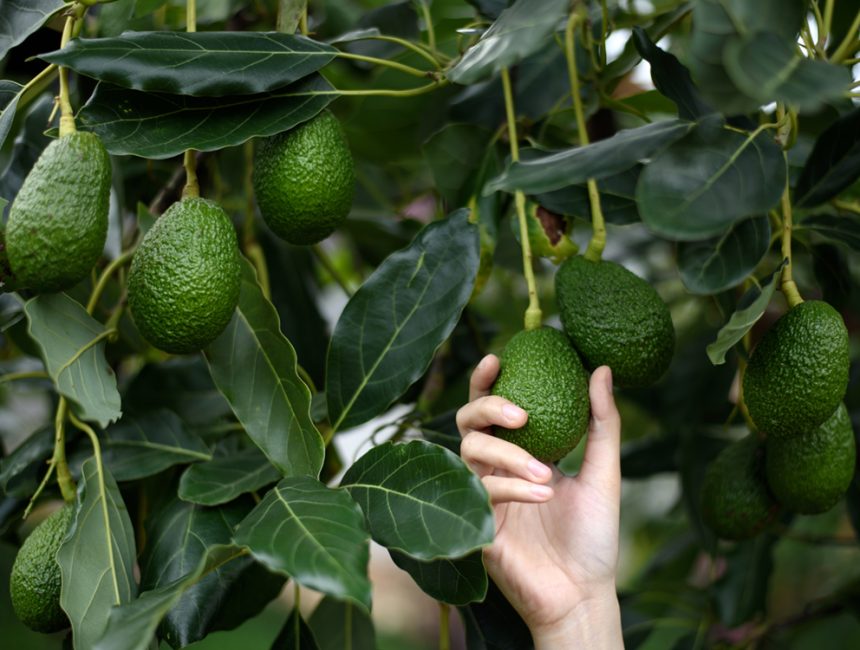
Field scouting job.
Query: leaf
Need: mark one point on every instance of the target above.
(140, 446)
(337, 625)
(833, 164)
(21, 470)
(254, 366)
(713, 265)
(313, 534)
(456, 582)
(65, 333)
(295, 635)
(10, 93)
(617, 198)
(454, 155)
(97, 556)
(421, 499)
(210, 64)
(598, 160)
(158, 126)
(494, 624)
(390, 329)
(768, 68)
(20, 18)
(700, 185)
(223, 479)
(742, 592)
(28, 146)
(844, 228)
(751, 307)
(520, 30)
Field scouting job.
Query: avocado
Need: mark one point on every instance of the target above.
(808, 473)
(541, 373)
(7, 278)
(35, 580)
(304, 180)
(184, 280)
(615, 318)
(798, 372)
(736, 502)
(58, 221)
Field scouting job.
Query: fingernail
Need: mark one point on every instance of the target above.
(538, 469)
(541, 491)
(482, 363)
(512, 413)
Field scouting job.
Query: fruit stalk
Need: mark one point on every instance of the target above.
(67, 116)
(787, 285)
(64, 476)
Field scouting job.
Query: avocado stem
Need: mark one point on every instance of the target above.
(787, 284)
(191, 188)
(64, 476)
(67, 115)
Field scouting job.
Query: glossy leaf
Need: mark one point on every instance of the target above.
(339, 624)
(162, 126)
(520, 30)
(833, 164)
(295, 635)
(312, 533)
(65, 333)
(10, 93)
(844, 228)
(224, 478)
(390, 329)
(454, 155)
(456, 582)
(699, 186)
(421, 499)
(97, 556)
(751, 307)
(617, 198)
(714, 265)
(254, 366)
(20, 18)
(598, 160)
(741, 593)
(211, 64)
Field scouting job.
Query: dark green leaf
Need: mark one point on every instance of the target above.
(390, 329)
(254, 366)
(65, 334)
(312, 533)
(742, 592)
(21, 471)
(833, 164)
(10, 92)
(20, 18)
(400, 485)
(454, 154)
(843, 228)
(28, 146)
(211, 64)
(519, 31)
(617, 198)
(223, 479)
(490, 8)
(456, 582)
(494, 624)
(751, 307)
(598, 160)
(714, 265)
(337, 625)
(162, 126)
(295, 635)
(699, 186)
(97, 556)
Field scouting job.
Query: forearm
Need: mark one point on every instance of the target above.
(595, 625)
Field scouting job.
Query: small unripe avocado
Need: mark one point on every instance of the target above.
(541, 373)
(809, 473)
(736, 502)
(615, 318)
(304, 180)
(34, 583)
(183, 285)
(58, 221)
(798, 372)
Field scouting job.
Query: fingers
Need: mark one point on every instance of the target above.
(483, 377)
(487, 454)
(602, 462)
(503, 490)
(484, 412)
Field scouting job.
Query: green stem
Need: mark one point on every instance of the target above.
(305, 377)
(428, 21)
(29, 374)
(190, 15)
(37, 85)
(67, 115)
(64, 476)
(533, 315)
(787, 285)
(96, 294)
(331, 269)
(39, 489)
(408, 69)
(806, 35)
(412, 92)
(828, 22)
(192, 187)
(849, 43)
(256, 256)
(444, 627)
(418, 49)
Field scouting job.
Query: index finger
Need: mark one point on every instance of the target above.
(483, 377)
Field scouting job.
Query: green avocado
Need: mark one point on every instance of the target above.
(542, 374)
(7, 278)
(183, 284)
(798, 372)
(34, 583)
(58, 221)
(736, 502)
(304, 180)
(615, 318)
(809, 473)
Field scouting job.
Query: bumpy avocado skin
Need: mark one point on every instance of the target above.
(34, 583)
(184, 281)
(304, 180)
(615, 318)
(542, 374)
(7, 278)
(809, 473)
(798, 372)
(736, 502)
(58, 221)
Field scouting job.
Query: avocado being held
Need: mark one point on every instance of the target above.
(798, 372)
(183, 285)
(542, 374)
(304, 180)
(34, 583)
(58, 221)
(615, 318)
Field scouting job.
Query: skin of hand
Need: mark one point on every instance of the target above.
(556, 547)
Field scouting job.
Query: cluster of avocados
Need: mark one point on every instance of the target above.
(803, 455)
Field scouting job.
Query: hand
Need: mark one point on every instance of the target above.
(556, 547)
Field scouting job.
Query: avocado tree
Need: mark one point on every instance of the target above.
(710, 147)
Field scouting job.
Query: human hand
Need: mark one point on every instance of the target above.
(556, 547)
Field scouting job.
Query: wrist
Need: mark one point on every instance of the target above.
(594, 623)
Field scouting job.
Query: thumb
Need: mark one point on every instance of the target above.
(601, 465)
